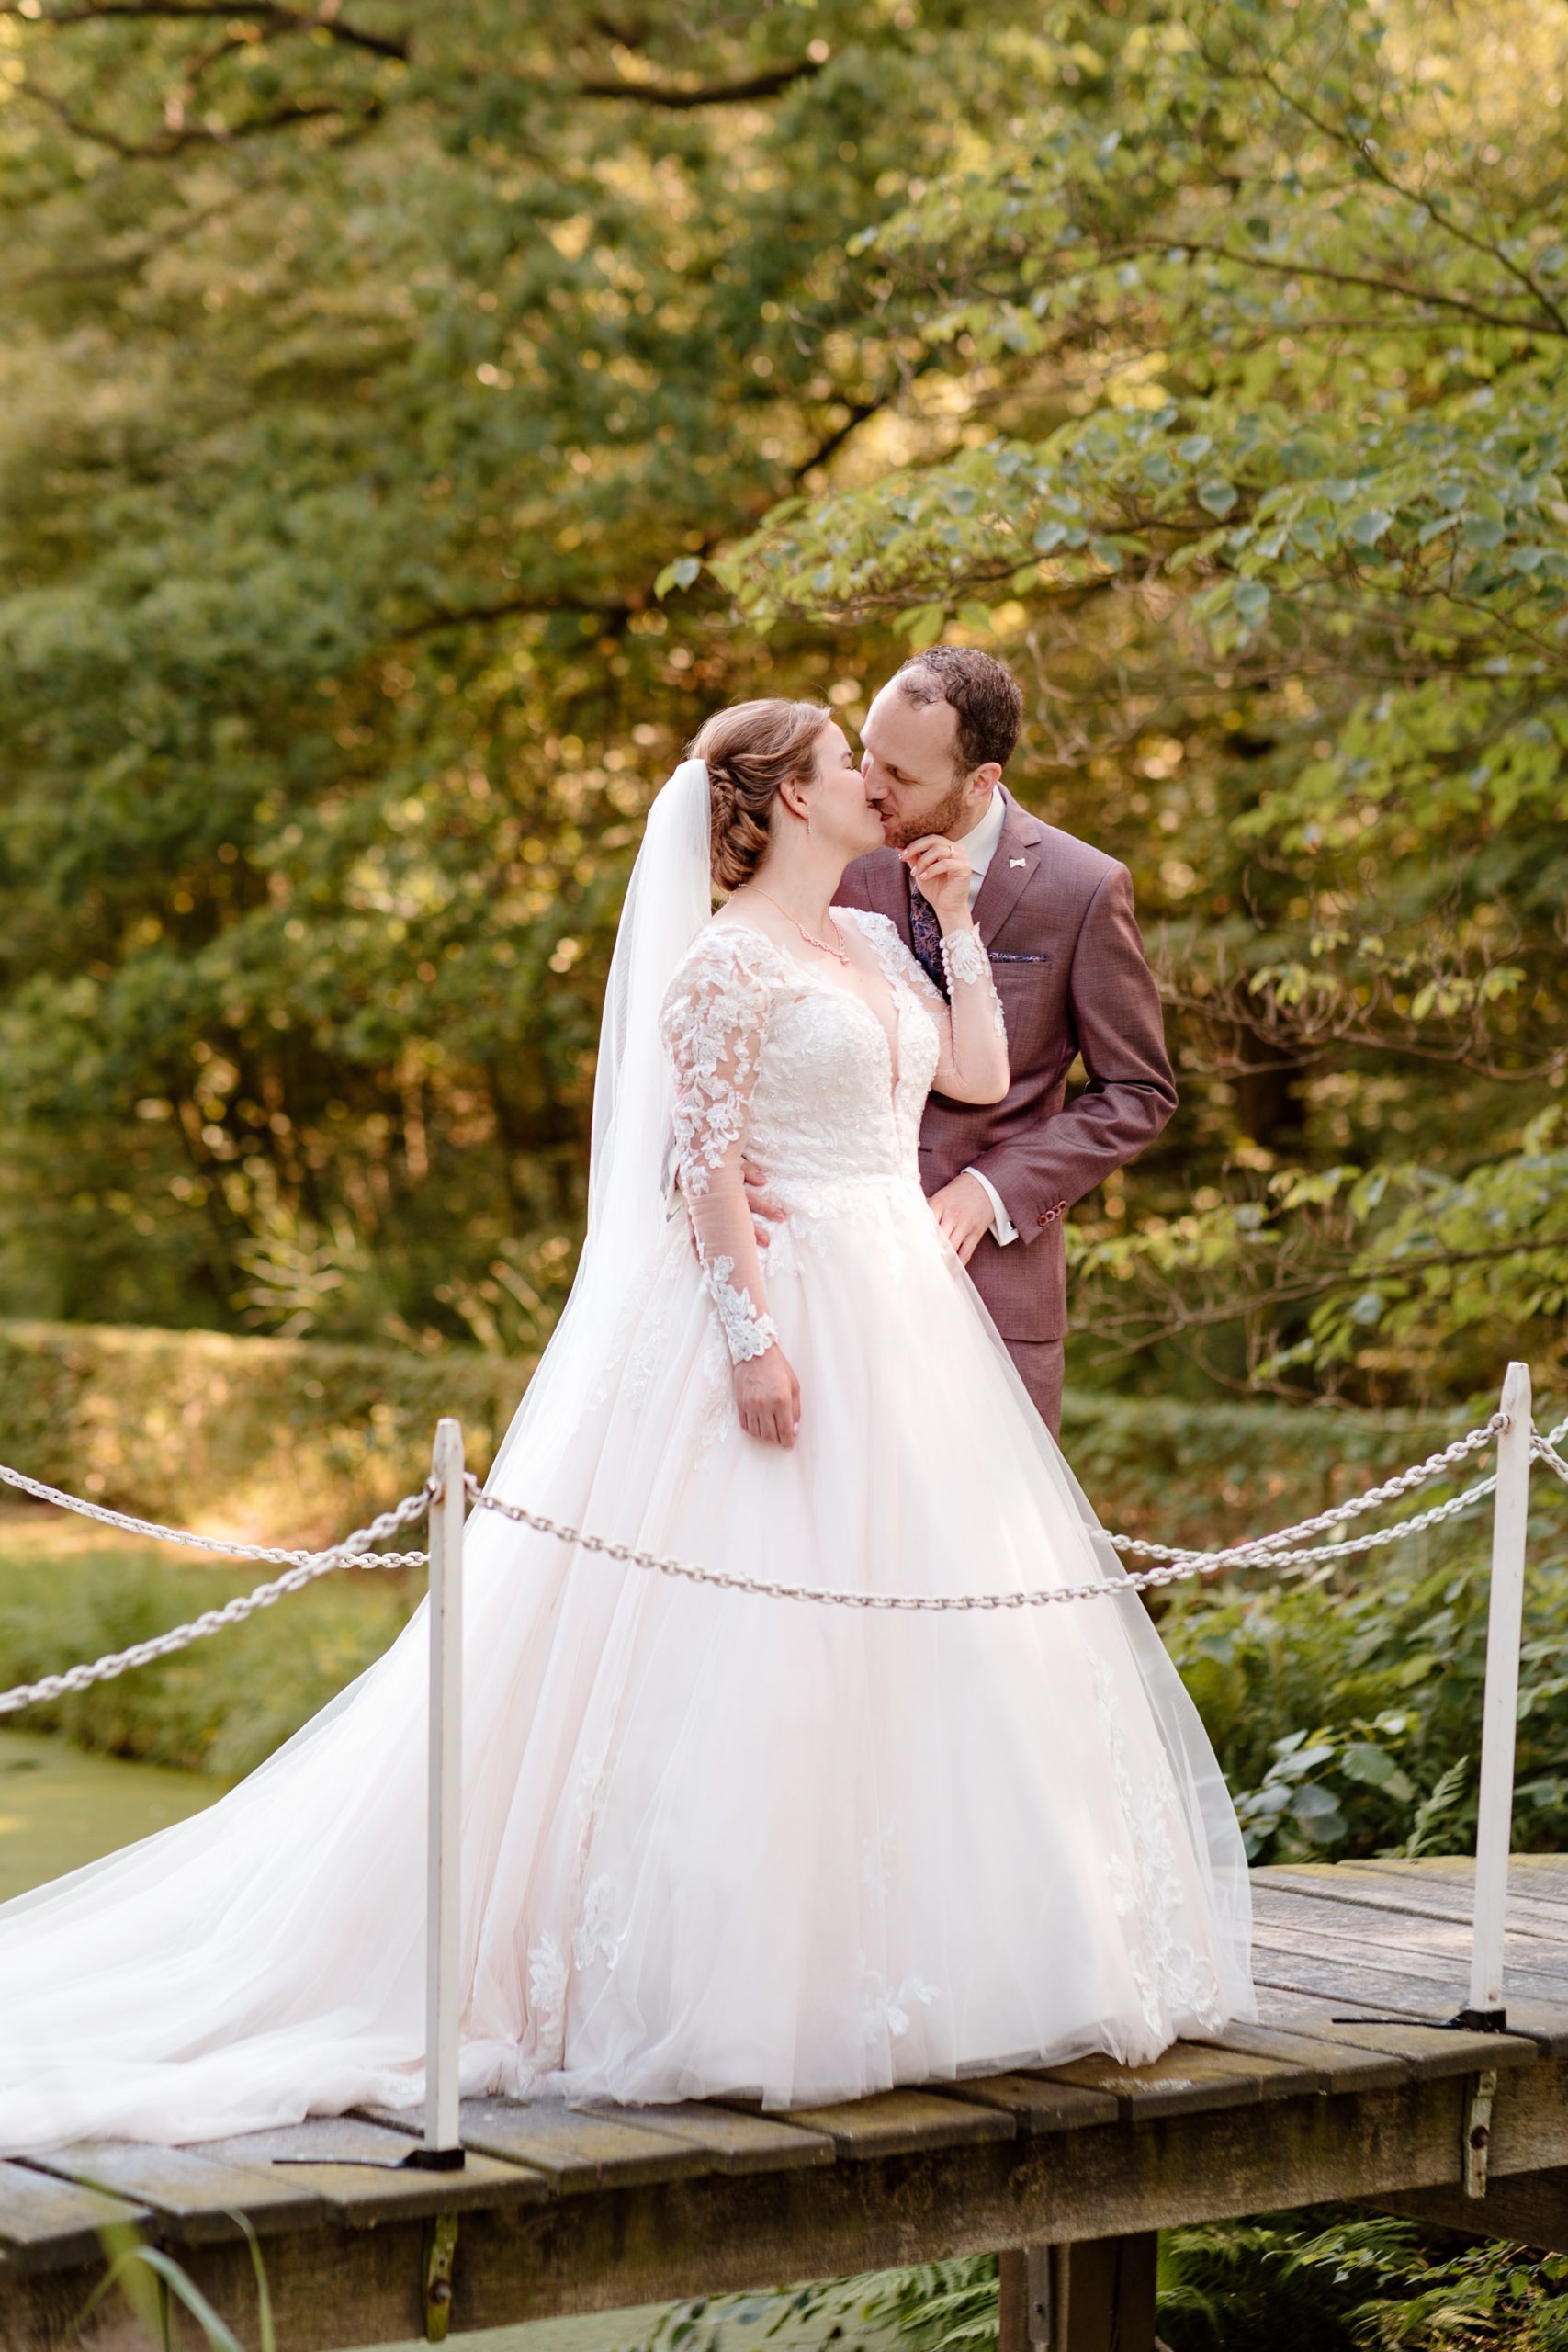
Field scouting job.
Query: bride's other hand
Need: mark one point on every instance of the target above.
(765, 1210)
(767, 1398)
(963, 1211)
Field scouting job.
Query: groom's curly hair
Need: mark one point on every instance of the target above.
(982, 690)
(750, 748)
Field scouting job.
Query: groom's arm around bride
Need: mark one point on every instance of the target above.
(1056, 916)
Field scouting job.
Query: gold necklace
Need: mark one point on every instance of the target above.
(841, 952)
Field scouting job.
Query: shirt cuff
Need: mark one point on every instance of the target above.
(1002, 1224)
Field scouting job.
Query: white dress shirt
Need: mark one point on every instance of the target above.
(979, 846)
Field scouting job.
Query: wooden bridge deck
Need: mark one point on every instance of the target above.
(570, 2210)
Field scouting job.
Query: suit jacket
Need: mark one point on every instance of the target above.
(1056, 917)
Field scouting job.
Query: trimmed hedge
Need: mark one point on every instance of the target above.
(293, 1440)
(277, 1440)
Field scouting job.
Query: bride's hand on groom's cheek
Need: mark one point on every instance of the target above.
(767, 1398)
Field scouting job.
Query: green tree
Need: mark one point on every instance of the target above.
(365, 367)
(1240, 411)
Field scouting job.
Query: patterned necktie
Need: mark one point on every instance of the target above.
(925, 936)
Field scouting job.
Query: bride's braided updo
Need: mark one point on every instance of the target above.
(751, 749)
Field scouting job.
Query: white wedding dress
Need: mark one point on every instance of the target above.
(711, 1842)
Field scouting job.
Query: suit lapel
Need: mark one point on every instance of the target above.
(1013, 866)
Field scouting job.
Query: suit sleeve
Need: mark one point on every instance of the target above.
(1130, 1094)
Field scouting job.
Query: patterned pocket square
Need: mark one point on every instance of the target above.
(1015, 955)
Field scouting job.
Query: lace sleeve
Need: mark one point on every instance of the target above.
(711, 1023)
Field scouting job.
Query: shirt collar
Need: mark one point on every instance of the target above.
(979, 843)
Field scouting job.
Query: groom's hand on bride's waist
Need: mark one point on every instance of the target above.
(765, 1210)
(964, 1211)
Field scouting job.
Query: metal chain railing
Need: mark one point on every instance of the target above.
(352, 1552)
(1274, 1550)
(1544, 1449)
(1282, 1549)
(231, 1551)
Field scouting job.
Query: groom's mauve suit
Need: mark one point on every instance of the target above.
(1056, 917)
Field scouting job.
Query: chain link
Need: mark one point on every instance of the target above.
(353, 1552)
(1544, 1451)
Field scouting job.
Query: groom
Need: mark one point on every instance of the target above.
(1057, 919)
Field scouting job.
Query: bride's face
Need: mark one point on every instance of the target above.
(842, 815)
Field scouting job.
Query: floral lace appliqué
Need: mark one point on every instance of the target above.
(1173, 1978)
(886, 2013)
(746, 1333)
(964, 957)
(711, 1024)
(595, 1937)
(547, 1998)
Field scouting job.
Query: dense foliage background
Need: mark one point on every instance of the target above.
(412, 424)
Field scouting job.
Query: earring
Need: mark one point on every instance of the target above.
(809, 820)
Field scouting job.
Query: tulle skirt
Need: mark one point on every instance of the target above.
(711, 1842)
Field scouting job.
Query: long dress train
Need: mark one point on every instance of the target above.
(711, 1842)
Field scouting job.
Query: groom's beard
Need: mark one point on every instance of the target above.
(898, 832)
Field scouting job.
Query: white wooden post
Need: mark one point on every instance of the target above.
(443, 2148)
(1500, 1704)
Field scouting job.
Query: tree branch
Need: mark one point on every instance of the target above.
(323, 19)
(714, 94)
(199, 134)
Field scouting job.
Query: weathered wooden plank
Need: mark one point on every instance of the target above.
(1400, 1898)
(1184, 2080)
(188, 2189)
(1426, 2043)
(1410, 1958)
(1532, 2207)
(1437, 2054)
(328, 2155)
(897, 2123)
(733, 2139)
(1318, 2049)
(1035, 2102)
(1418, 1945)
(570, 2149)
(47, 2223)
(1339, 1988)
(1543, 2022)
(1536, 1878)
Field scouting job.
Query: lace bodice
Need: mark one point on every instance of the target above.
(773, 1058)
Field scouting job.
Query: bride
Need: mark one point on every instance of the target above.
(712, 1842)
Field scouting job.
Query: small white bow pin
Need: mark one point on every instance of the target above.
(1018, 861)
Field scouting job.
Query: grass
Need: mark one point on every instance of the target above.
(219, 1707)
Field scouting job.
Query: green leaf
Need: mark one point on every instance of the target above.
(679, 574)
(1374, 1766)
(1367, 528)
(1216, 495)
